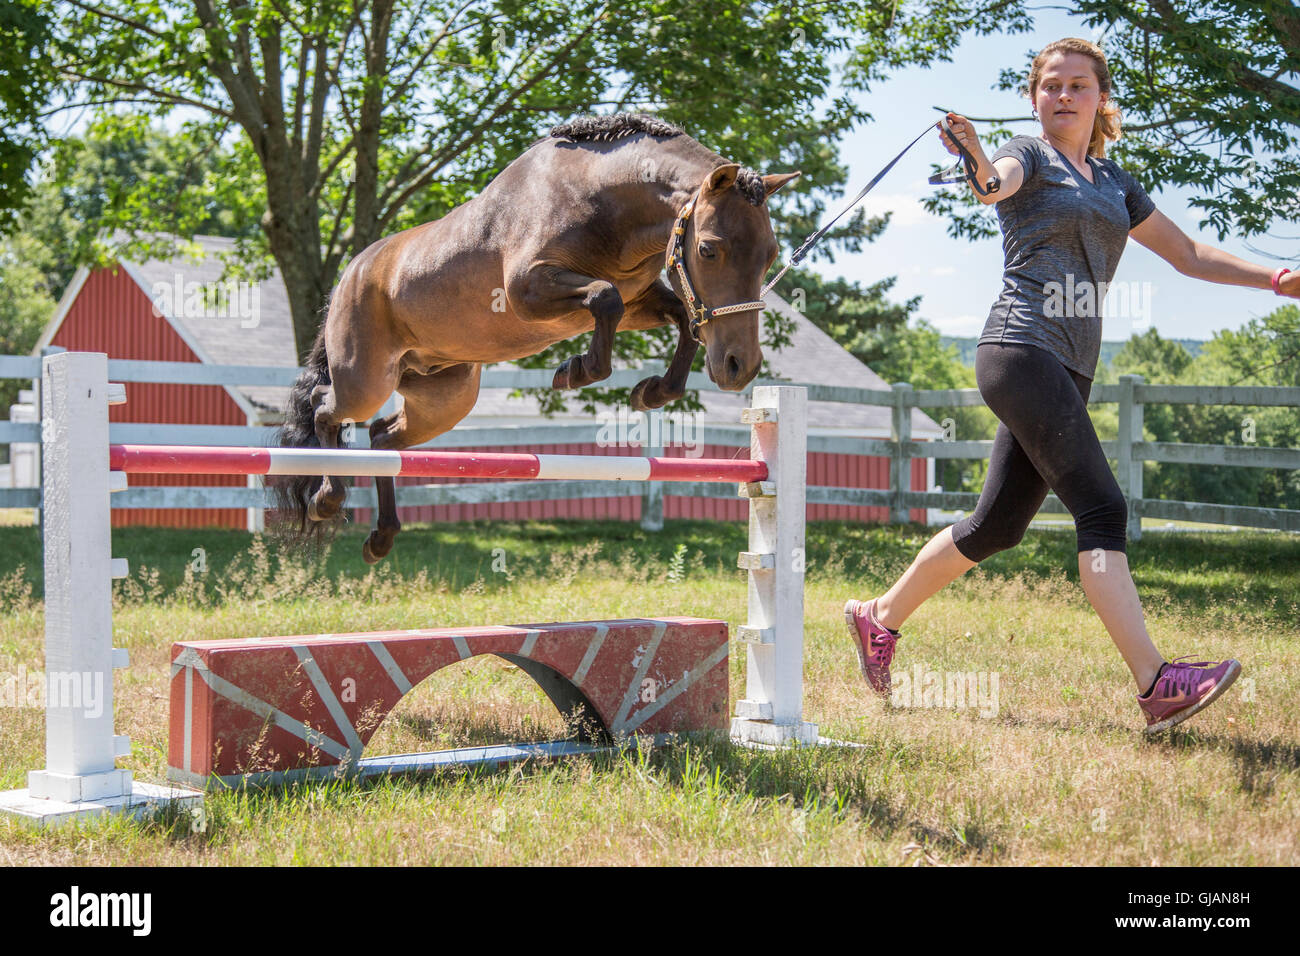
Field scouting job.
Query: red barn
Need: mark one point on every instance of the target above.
(179, 311)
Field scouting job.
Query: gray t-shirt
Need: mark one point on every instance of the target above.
(1062, 237)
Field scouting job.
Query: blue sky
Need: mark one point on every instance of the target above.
(958, 278)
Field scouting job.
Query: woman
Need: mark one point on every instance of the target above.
(1066, 213)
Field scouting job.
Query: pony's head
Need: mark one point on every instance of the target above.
(727, 247)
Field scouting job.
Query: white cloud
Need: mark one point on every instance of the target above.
(962, 325)
(943, 271)
(906, 208)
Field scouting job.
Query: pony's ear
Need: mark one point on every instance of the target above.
(721, 179)
(775, 181)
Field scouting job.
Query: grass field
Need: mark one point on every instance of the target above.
(1057, 773)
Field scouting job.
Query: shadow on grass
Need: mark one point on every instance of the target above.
(833, 780)
(1259, 762)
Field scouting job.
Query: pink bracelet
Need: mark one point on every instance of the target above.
(1277, 279)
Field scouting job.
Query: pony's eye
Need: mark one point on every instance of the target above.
(706, 251)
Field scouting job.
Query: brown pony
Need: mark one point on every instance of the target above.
(571, 236)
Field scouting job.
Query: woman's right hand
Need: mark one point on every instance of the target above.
(964, 130)
(1010, 176)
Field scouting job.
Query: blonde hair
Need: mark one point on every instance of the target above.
(1105, 126)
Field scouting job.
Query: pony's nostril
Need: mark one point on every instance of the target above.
(733, 367)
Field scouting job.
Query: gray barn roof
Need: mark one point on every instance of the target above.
(263, 336)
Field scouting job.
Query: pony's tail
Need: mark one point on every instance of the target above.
(293, 492)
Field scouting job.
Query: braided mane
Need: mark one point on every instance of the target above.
(619, 125)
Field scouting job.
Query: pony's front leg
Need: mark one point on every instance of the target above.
(548, 292)
(658, 390)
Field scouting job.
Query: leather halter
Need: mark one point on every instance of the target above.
(700, 313)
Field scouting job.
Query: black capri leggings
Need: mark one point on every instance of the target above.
(1045, 439)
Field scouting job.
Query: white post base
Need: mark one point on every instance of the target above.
(77, 788)
(142, 798)
(767, 734)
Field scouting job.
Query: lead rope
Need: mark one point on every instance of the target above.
(953, 174)
(700, 315)
(816, 237)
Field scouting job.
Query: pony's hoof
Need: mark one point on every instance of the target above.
(561, 380)
(639, 400)
(327, 511)
(374, 550)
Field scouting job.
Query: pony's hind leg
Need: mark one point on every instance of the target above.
(327, 500)
(431, 404)
(329, 416)
(364, 350)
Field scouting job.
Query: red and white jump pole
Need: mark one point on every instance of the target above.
(188, 460)
(80, 470)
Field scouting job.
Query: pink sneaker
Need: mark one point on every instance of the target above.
(874, 642)
(1184, 689)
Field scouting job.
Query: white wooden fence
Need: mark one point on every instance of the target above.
(1131, 394)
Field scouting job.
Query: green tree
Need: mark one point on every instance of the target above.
(97, 186)
(349, 120)
(1159, 362)
(1209, 101)
(25, 83)
(1263, 351)
(26, 302)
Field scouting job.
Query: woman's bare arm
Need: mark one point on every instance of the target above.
(1162, 236)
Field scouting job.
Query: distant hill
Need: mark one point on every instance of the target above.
(966, 347)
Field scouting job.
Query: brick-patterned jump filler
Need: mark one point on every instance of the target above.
(277, 708)
(280, 707)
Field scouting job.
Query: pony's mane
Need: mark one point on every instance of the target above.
(615, 126)
(618, 125)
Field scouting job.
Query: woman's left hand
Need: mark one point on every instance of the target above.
(1289, 284)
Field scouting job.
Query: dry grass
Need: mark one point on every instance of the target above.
(1060, 774)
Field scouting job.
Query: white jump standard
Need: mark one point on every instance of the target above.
(81, 777)
(81, 469)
